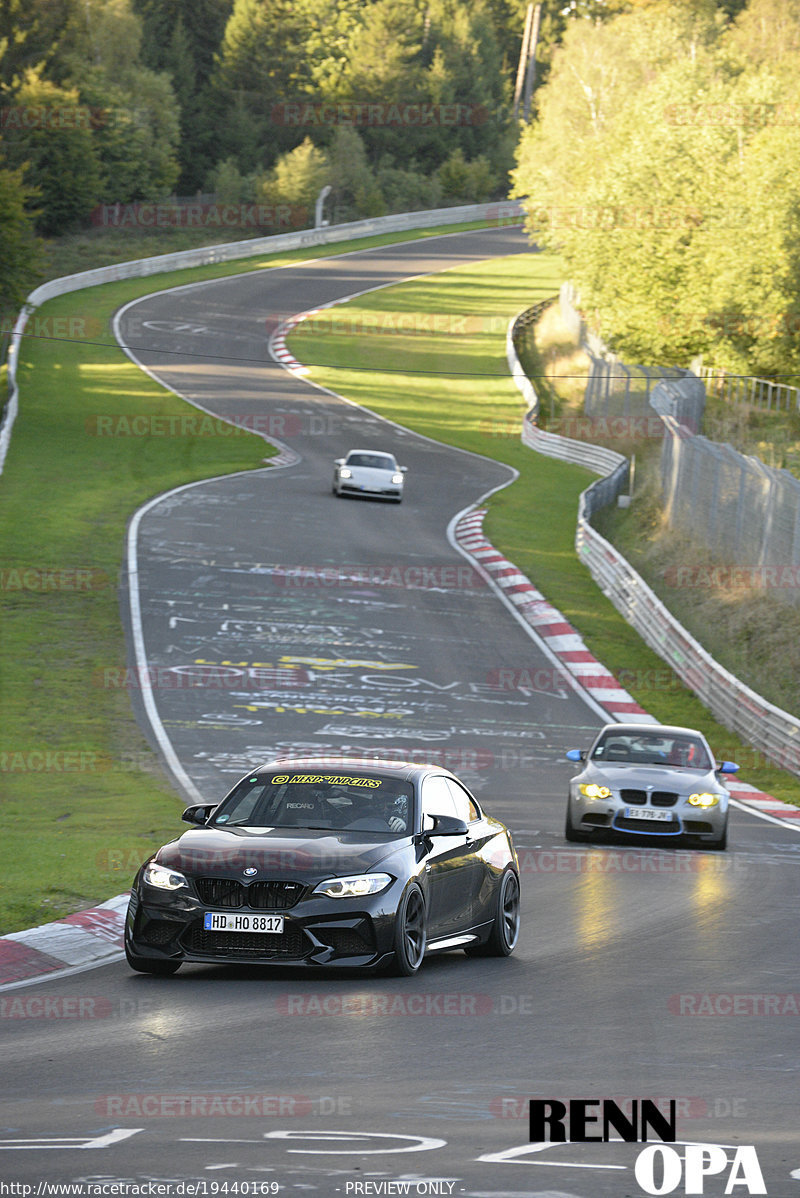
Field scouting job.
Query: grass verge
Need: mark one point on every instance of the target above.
(83, 798)
(458, 391)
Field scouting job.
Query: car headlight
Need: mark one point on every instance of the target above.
(397, 479)
(162, 878)
(354, 887)
(591, 790)
(345, 473)
(704, 799)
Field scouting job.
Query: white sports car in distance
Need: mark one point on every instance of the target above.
(366, 472)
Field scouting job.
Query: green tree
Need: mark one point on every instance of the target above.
(182, 39)
(260, 66)
(31, 35)
(634, 195)
(135, 134)
(465, 182)
(53, 143)
(20, 249)
(298, 177)
(662, 166)
(355, 192)
(135, 115)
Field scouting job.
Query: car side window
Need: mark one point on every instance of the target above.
(436, 797)
(466, 807)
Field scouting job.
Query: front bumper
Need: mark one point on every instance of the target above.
(318, 931)
(389, 492)
(615, 816)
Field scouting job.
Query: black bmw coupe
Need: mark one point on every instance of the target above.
(329, 862)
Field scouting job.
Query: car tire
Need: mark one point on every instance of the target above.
(505, 926)
(572, 834)
(157, 966)
(721, 843)
(410, 936)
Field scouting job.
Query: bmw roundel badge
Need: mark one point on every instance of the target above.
(250, 871)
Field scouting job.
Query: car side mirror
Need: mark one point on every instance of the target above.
(576, 755)
(403, 469)
(447, 825)
(727, 767)
(338, 461)
(199, 813)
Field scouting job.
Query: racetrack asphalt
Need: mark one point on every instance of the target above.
(313, 622)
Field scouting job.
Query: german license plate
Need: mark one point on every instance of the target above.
(647, 813)
(230, 921)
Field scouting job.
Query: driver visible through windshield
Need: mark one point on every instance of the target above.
(341, 802)
(642, 749)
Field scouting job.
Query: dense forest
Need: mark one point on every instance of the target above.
(106, 104)
(665, 164)
(659, 156)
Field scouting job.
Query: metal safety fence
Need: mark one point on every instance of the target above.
(749, 513)
(684, 400)
(774, 732)
(744, 389)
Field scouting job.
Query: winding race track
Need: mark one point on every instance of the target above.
(273, 617)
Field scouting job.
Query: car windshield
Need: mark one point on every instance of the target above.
(649, 749)
(341, 802)
(376, 461)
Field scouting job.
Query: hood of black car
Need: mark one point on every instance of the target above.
(275, 853)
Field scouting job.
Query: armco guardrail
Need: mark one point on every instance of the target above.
(507, 211)
(774, 732)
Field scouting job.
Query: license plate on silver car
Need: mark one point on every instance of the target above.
(229, 921)
(647, 813)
